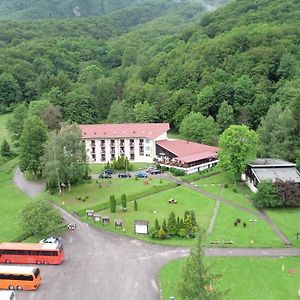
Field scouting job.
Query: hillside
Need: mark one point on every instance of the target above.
(158, 61)
(50, 9)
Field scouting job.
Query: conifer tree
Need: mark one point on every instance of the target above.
(172, 228)
(156, 226)
(135, 205)
(197, 282)
(124, 201)
(112, 203)
(5, 149)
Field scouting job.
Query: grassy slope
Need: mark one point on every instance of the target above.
(240, 276)
(186, 200)
(12, 201)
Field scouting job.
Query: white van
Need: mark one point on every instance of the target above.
(7, 295)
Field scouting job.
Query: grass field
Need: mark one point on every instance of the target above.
(98, 168)
(246, 278)
(4, 134)
(97, 195)
(224, 230)
(288, 220)
(215, 184)
(12, 201)
(186, 200)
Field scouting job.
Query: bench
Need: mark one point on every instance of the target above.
(214, 242)
(227, 242)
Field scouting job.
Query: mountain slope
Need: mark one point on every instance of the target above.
(49, 9)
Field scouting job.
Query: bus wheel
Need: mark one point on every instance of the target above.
(7, 261)
(45, 263)
(19, 288)
(38, 262)
(11, 287)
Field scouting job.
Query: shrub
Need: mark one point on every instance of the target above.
(235, 223)
(135, 205)
(79, 198)
(162, 234)
(157, 227)
(226, 185)
(172, 230)
(154, 233)
(289, 192)
(267, 195)
(123, 201)
(177, 172)
(238, 220)
(112, 204)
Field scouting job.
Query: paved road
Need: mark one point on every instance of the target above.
(30, 188)
(102, 265)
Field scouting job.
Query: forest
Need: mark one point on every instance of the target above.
(162, 61)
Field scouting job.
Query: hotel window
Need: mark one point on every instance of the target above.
(131, 156)
(103, 157)
(112, 157)
(93, 157)
(131, 142)
(102, 143)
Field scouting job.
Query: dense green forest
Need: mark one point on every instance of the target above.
(160, 61)
(43, 9)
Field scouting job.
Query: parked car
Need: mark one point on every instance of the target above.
(105, 176)
(141, 174)
(155, 171)
(109, 171)
(51, 240)
(149, 169)
(124, 175)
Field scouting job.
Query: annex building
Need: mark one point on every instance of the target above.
(146, 142)
(269, 169)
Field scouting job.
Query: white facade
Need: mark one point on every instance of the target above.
(135, 149)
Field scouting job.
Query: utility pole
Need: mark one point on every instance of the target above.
(252, 230)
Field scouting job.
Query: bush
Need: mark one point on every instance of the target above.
(226, 185)
(177, 172)
(39, 217)
(112, 204)
(123, 201)
(162, 234)
(135, 206)
(267, 195)
(79, 198)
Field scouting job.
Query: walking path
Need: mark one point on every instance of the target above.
(213, 218)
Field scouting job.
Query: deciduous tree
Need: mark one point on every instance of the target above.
(34, 135)
(238, 145)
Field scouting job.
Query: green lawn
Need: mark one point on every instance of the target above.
(186, 200)
(12, 201)
(116, 186)
(246, 278)
(4, 134)
(98, 168)
(288, 220)
(215, 184)
(224, 229)
(173, 134)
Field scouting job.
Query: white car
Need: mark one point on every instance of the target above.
(51, 240)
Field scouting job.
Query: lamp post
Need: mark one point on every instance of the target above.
(252, 230)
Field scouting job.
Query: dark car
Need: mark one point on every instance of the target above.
(155, 171)
(124, 175)
(141, 174)
(105, 176)
(109, 171)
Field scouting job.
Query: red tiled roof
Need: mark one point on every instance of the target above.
(134, 130)
(188, 151)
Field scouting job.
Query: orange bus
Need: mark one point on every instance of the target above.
(23, 253)
(19, 278)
